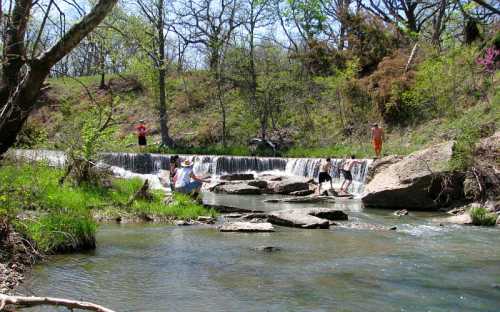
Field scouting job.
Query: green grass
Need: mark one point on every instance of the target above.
(60, 216)
(60, 232)
(182, 207)
(481, 216)
(201, 150)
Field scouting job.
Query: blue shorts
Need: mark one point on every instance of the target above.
(188, 188)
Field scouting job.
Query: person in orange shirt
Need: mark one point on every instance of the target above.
(377, 138)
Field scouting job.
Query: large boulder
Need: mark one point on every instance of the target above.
(289, 184)
(239, 188)
(380, 164)
(420, 180)
(258, 183)
(237, 177)
(307, 218)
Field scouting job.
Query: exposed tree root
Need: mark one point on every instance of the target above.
(21, 301)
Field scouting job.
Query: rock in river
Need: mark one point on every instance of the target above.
(239, 188)
(246, 227)
(302, 199)
(267, 248)
(415, 182)
(290, 184)
(307, 218)
(237, 177)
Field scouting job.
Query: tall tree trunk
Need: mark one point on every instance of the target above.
(19, 89)
(162, 74)
(102, 68)
(222, 108)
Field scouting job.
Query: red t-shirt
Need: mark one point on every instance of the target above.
(141, 130)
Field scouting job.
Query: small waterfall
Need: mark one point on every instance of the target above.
(150, 165)
(52, 158)
(309, 167)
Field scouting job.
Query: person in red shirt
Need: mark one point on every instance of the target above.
(141, 134)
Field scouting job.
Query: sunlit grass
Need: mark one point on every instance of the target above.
(61, 215)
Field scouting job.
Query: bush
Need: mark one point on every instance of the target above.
(481, 216)
(60, 232)
(463, 150)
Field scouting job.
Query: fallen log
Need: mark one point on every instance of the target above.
(36, 301)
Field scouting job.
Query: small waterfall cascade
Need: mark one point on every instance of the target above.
(309, 167)
(150, 165)
(52, 158)
(204, 165)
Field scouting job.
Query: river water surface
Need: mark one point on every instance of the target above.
(421, 266)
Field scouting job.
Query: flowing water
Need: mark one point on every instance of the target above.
(356, 266)
(150, 166)
(421, 266)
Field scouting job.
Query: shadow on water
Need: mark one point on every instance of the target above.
(420, 267)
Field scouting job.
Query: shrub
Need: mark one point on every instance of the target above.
(463, 150)
(481, 216)
(61, 232)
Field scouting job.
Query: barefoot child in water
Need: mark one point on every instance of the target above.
(377, 136)
(346, 171)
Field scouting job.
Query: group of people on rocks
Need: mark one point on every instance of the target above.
(377, 135)
(183, 179)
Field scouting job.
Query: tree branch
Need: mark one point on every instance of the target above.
(487, 6)
(76, 33)
(36, 301)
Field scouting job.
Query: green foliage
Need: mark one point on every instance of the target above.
(59, 217)
(468, 134)
(32, 135)
(60, 232)
(182, 207)
(481, 216)
(444, 84)
(201, 150)
(369, 40)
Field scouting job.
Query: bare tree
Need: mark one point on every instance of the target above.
(258, 15)
(412, 14)
(154, 12)
(211, 24)
(23, 75)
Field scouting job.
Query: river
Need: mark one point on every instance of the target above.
(421, 266)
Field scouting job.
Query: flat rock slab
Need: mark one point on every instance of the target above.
(267, 248)
(237, 177)
(303, 199)
(306, 218)
(239, 188)
(229, 209)
(247, 227)
(302, 193)
(289, 184)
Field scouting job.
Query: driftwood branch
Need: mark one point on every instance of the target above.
(36, 301)
(142, 194)
(412, 55)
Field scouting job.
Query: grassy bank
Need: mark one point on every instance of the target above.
(60, 218)
(483, 118)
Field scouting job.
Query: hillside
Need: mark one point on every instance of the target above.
(467, 101)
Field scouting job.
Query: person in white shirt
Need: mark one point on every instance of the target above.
(185, 180)
(346, 172)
